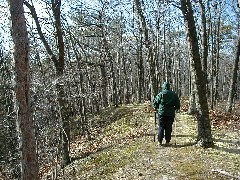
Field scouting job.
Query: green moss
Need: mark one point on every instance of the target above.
(104, 164)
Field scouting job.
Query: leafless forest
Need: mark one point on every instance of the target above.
(62, 62)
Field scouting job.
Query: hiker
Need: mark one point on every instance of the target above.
(166, 103)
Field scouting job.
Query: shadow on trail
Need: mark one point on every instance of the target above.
(175, 144)
(227, 141)
(228, 150)
(180, 145)
(84, 155)
(185, 135)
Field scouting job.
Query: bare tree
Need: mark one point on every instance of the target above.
(204, 43)
(204, 126)
(24, 112)
(59, 63)
(150, 45)
(233, 87)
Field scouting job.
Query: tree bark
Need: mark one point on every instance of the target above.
(63, 103)
(59, 64)
(149, 45)
(192, 88)
(217, 55)
(140, 67)
(204, 43)
(234, 78)
(112, 67)
(204, 126)
(24, 114)
(104, 86)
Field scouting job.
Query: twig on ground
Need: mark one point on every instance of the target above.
(225, 173)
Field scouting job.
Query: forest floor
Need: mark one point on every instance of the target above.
(122, 147)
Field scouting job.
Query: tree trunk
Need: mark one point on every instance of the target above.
(104, 86)
(62, 99)
(213, 61)
(204, 126)
(127, 76)
(59, 64)
(164, 55)
(24, 114)
(140, 68)
(204, 43)
(234, 78)
(153, 80)
(149, 45)
(192, 97)
(112, 67)
(114, 90)
(217, 55)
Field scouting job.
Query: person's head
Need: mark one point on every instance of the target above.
(166, 86)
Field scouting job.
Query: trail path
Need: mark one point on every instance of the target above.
(124, 149)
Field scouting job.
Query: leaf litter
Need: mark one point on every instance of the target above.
(124, 149)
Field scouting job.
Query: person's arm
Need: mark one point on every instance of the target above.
(177, 105)
(156, 102)
(177, 102)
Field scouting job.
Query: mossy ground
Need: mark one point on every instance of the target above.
(124, 149)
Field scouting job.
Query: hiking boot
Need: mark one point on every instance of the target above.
(167, 144)
(160, 143)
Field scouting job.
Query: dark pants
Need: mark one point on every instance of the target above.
(165, 128)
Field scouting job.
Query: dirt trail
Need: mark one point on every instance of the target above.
(125, 150)
(185, 160)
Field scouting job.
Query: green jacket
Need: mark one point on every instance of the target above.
(167, 101)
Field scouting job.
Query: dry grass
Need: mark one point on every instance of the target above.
(124, 149)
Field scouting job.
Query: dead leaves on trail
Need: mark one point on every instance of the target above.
(221, 119)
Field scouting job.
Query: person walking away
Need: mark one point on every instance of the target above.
(166, 103)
